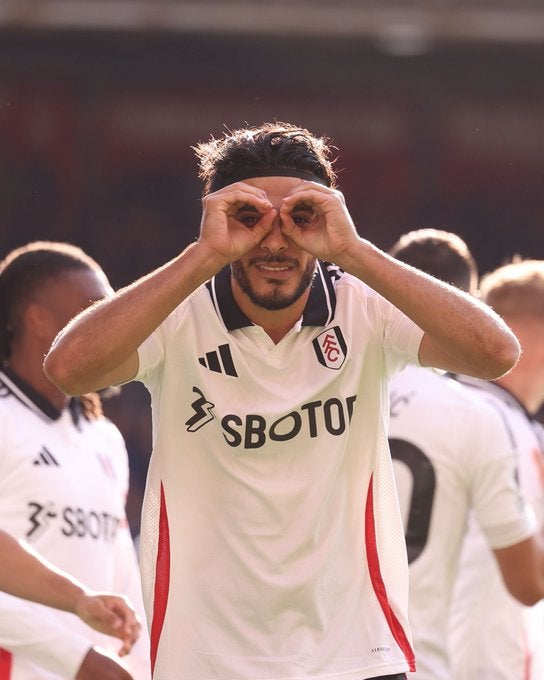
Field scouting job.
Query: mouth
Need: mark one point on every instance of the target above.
(275, 272)
(274, 267)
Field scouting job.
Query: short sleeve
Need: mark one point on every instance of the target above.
(499, 505)
(33, 632)
(152, 351)
(402, 338)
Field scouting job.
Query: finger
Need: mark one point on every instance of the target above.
(239, 202)
(291, 229)
(239, 193)
(244, 186)
(263, 225)
(117, 618)
(125, 615)
(110, 615)
(131, 634)
(288, 225)
(313, 186)
(303, 216)
(127, 645)
(319, 198)
(128, 634)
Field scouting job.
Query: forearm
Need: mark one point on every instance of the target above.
(92, 351)
(25, 574)
(465, 329)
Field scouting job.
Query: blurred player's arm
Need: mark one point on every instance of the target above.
(502, 510)
(98, 665)
(461, 334)
(25, 574)
(35, 634)
(522, 569)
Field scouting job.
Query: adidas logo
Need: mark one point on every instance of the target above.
(219, 360)
(45, 457)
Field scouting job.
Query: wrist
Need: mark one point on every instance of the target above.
(207, 260)
(76, 597)
(351, 258)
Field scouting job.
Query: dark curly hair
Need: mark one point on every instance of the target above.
(268, 146)
(22, 273)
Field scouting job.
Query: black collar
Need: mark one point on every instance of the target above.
(15, 385)
(319, 310)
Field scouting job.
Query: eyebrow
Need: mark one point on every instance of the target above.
(302, 205)
(247, 207)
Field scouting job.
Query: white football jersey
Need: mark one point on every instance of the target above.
(451, 453)
(272, 543)
(63, 485)
(493, 636)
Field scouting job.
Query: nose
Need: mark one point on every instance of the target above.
(275, 241)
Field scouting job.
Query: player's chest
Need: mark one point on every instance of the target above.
(58, 456)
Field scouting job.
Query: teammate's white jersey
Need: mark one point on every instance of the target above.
(493, 636)
(63, 485)
(272, 543)
(451, 453)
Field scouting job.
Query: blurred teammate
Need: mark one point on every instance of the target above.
(272, 542)
(24, 573)
(493, 637)
(63, 474)
(454, 456)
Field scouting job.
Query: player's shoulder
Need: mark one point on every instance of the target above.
(344, 282)
(6, 393)
(356, 299)
(9, 416)
(345, 294)
(440, 390)
(429, 383)
(486, 414)
(499, 399)
(104, 428)
(489, 391)
(14, 407)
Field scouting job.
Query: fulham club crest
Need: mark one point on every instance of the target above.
(330, 348)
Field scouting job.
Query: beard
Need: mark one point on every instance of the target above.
(276, 298)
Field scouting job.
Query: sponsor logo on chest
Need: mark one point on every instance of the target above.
(71, 522)
(253, 430)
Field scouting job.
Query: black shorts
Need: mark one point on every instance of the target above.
(397, 676)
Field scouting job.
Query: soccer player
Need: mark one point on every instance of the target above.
(24, 573)
(454, 456)
(63, 474)
(492, 635)
(272, 543)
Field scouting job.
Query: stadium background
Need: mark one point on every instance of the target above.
(436, 106)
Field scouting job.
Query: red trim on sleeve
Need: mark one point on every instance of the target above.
(377, 580)
(162, 580)
(5, 664)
